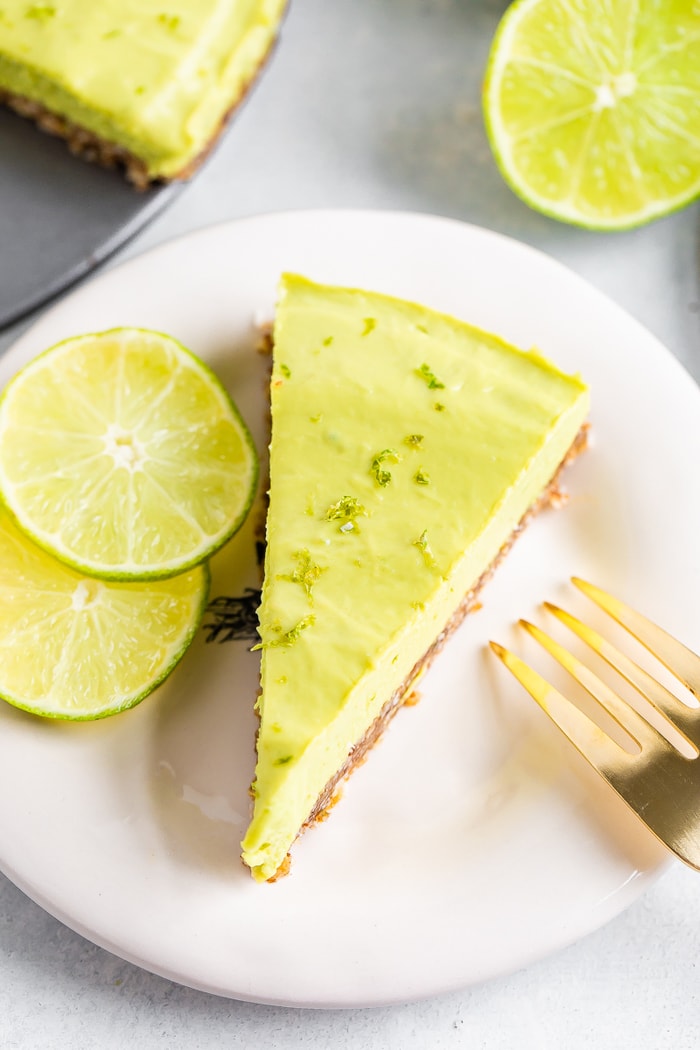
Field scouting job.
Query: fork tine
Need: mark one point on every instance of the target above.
(680, 661)
(589, 739)
(626, 717)
(659, 784)
(675, 711)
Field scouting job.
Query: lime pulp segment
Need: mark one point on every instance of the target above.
(74, 647)
(593, 107)
(122, 455)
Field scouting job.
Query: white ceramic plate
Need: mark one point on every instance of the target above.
(474, 840)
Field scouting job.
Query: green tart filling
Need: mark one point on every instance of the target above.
(406, 447)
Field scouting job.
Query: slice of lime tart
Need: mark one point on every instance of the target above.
(146, 86)
(74, 647)
(408, 448)
(122, 455)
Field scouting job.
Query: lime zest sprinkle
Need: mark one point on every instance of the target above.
(306, 573)
(439, 407)
(382, 476)
(370, 325)
(283, 761)
(286, 371)
(289, 637)
(170, 22)
(40, 12)
(424, 547)
(413, 440)
(421, 478)
(328, 340)
(425, 372)
(346, 510)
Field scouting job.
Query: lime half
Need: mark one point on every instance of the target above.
(75, 647)
(123, 456)
(593, 107)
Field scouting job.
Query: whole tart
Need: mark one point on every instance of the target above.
(145, 85)
(407, 450)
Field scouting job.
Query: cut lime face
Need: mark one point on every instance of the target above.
(122, 455)
(75, 647)
(593, 107)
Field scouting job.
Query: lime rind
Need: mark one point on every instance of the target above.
(78, 649)
(500, 139)
(241, 469)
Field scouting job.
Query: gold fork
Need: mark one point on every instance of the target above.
(659, 783)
